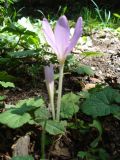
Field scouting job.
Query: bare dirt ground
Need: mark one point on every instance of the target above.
(107, 67)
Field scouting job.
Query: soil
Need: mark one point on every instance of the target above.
(107, 70)
(106, 67)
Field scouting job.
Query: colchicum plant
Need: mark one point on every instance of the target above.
(62, 45)
(34, 110)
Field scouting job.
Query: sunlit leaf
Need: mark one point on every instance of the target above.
(69, 105)
(116, 15)
(17, 116)
(83, 69)
(54, 127)
(13, 118)
(2, 98)
(41, 113)
(92, 54)
(7, 84)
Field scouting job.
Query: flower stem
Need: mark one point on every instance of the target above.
(52, 107)
(59, 91)
(43, 141)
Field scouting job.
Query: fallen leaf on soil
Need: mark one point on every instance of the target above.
(88, 86)
(95, 80)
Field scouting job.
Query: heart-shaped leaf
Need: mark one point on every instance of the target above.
(14, 119)
(102, 103)
(18, 115)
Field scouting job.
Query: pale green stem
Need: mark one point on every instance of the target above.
(43, 141)
(51, 98)
(52, 106)
(59, 91)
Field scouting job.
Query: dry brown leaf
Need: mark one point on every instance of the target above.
(88, 86)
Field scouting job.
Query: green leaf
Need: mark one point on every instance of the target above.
(23, 54)
(92, 54)
(41, 114)
(2, 98)
(103, 155)
(4, 76)
(83, 69)
(102, 103)
(4, 60)
(17, 30)
(30, 104)
(116, 15)
(96, 124)
(54, 127)
(23, 158)
(7, 84)
(117, 98)
(84, 94)
(94, 143)
(118, 29)
(82, 154)
(117, 115)
(16, 117)
(69, 105)
(84, 39)
(13, 118)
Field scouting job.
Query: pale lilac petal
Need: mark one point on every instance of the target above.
(62, 35)
(49, 73)
(49, 78)
(49, 34)
(77, 34)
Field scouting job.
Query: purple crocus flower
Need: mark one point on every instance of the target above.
(60, 40)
